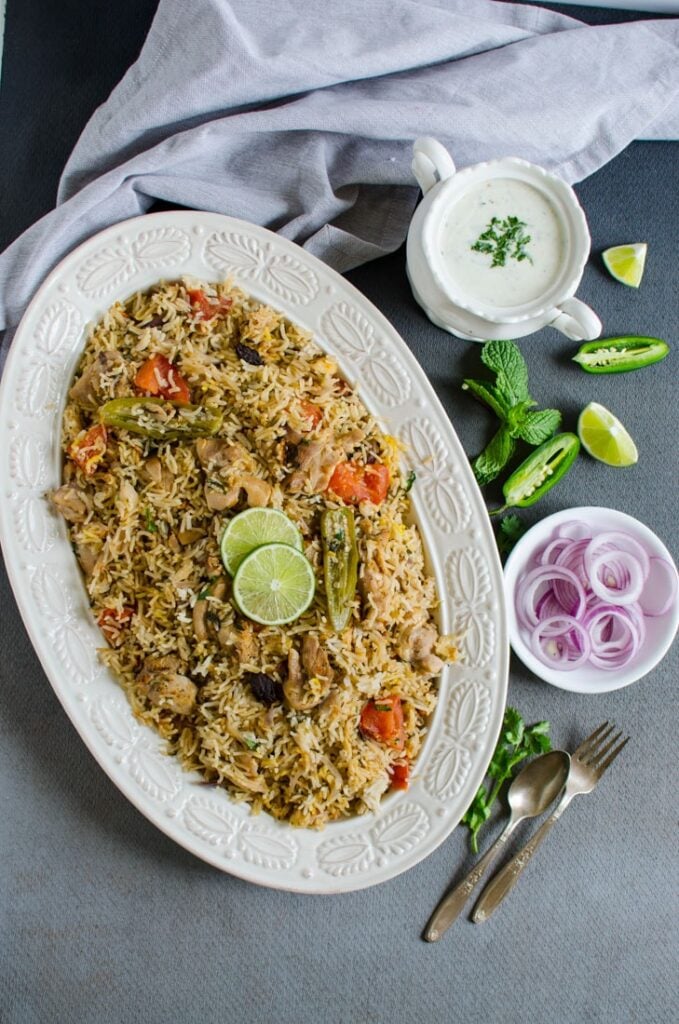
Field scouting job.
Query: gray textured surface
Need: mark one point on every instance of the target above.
(103, 919)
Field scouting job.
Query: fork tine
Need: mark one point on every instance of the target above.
(601, 768)
(599, 753)
(591, 741)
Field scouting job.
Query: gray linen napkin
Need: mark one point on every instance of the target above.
(300, 116)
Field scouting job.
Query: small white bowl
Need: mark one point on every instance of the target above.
(661, 629)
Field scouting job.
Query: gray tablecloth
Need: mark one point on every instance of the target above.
(103, 919)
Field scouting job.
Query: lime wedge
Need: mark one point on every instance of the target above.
(604, 437)
(274, 584)
(252, 528)
(626, 262)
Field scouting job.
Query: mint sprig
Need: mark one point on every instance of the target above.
(509, 398)
(517, 742)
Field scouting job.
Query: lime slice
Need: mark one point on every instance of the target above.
(252, 528)
(274, 584)
(626, 262)
(604, 437)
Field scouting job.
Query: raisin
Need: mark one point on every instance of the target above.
(264, 688)
(291, 451)
(249, 355)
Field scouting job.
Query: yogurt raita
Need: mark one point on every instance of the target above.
(529, 257)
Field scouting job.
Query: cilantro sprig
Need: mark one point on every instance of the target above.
(509, 531)
(517, 742)
(509, 398)
(502, 240)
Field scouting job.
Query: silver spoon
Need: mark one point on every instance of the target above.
(529, 795)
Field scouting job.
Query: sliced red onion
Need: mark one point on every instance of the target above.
(660, 588)
(544, 577)
(553, 647)
(624, 577)
(574, 530)
(547, 555)
(586, 598)
(616, 541)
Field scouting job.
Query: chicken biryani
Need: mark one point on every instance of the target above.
(217, 465)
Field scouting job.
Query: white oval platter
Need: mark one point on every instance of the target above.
(350, 854)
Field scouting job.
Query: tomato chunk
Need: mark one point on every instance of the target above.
(382, 720)
(400, 775)
(89, 448)
(158, 376)
(203, 308)
(112, 622)
(354, 483)
(311, 413)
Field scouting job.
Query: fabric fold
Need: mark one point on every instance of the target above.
(301, 117)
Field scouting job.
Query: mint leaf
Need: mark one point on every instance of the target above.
(518, 416)
(504, 357)
(492, 395)
(537, 427)
(494, 457)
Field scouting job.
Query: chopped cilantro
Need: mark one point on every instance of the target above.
(502, 239)
(151, 524)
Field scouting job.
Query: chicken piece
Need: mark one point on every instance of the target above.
(88, 556)
(206, 621)
(302, 693)
(152, 471)
(218, 453)
(315, 661)
(257, 492)
(374, 587)
(218, 501)
(243, 781)
(417, 647)
(73, 503)
(350, 440)
(165, 686)
(158, 663)
(173, 692)
(244, 640)
(127, 500)
(91, 389)
(316, 463)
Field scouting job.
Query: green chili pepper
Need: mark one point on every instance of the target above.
(620, 355)
(340, 563)
(160, 420)
(540, 471)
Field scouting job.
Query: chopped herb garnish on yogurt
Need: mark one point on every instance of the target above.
(504, 239)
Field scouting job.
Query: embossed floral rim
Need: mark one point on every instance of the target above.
(350, 854)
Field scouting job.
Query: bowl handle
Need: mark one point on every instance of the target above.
(431, 163)
(577, 321)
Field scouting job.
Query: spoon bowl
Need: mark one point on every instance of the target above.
(538, 784)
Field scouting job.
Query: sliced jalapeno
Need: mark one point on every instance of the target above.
(160, 420)
(340, 563)
(620, 355)
(541, 470)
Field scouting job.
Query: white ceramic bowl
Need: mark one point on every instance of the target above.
(661, 630)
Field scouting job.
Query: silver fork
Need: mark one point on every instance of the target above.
(588, 764)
